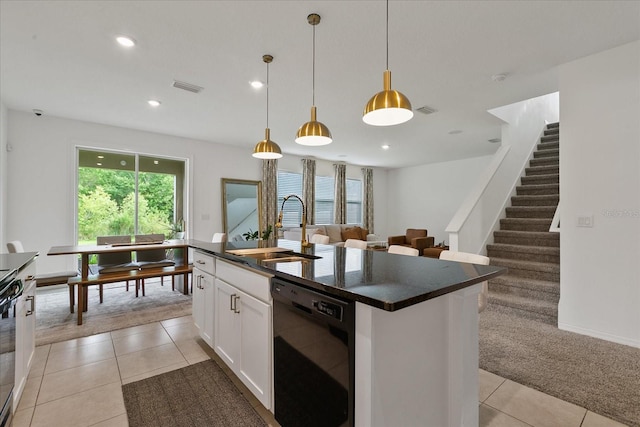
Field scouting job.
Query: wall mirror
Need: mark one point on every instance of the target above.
(241, 209)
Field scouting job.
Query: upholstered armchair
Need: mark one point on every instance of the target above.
(415, 238)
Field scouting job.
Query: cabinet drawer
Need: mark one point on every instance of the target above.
(253, 283)
(204, 262)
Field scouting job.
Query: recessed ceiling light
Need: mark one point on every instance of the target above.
(386, 146)
(101, 157)
(99, 164)
(155, 162)
(154, 103)
(256, 84)
(126, 41)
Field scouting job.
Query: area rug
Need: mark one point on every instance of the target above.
(120, 309)
(598, 375)
(198, 395)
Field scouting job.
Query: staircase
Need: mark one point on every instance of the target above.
(524, 244)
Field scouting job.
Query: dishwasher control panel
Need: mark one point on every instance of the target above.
(329, 309)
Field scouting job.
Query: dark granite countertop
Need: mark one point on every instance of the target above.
(386, 281)
(10, 263)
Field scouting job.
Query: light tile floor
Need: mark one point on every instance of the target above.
(78, 383)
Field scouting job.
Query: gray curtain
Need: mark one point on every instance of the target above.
(269, 194)
(367, 199)
(309, 188)
(340, 192)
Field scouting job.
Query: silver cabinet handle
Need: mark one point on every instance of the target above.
(231, 301)
(31, 299)
(200, 277)
(200, 261)
(235, 304)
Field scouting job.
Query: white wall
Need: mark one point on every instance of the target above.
(41, 178)
(600, 177)
(41, 183)
(3, 176)
(293, 163)
(428, 196)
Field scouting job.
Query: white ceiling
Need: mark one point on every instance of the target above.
(60, 56)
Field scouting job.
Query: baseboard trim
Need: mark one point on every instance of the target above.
(598, 334)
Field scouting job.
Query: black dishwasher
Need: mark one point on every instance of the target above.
(313, 349)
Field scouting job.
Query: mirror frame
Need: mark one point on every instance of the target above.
(257, 184)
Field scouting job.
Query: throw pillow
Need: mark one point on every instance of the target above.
(351, 233)
(334, 233)
(363, 233)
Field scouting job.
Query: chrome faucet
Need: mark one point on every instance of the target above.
(303, 241)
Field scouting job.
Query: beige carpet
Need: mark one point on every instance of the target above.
(120, 309)
(601, 376)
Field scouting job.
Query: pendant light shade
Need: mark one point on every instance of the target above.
(313, 132)
(267, 149)
(388, 107)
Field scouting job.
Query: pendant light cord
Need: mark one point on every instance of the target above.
(313, 69)
(387, 34)
(267, 94)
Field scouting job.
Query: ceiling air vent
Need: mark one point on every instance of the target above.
(426, 110)
(187, 86)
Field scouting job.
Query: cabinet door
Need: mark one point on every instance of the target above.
(198, 299)
(255, 347)
(25, 331)
(227, 324)
(207, 284)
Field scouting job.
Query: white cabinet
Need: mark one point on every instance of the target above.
(203, 295)
(25, 330)
(243, 327)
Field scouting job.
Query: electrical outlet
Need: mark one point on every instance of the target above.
(585, 220)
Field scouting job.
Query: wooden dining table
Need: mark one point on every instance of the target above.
(85, 251)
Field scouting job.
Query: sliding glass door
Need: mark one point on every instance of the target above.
(127, 194)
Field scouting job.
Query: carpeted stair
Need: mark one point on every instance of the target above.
(524, 245)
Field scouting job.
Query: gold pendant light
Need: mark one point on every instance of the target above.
(313, 132)
(388, 107)
(267, 149)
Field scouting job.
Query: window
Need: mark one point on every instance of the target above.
(127, 194)
(324, 199)
(354, 201)
(291, 183)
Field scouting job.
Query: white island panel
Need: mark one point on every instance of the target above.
(418, 366)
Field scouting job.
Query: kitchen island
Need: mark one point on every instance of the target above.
(416, 325)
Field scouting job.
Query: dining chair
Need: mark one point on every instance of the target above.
(15, 247)
(114, 262)
(56, 278)
(153, 258)
(219, 238)
(403, 250)
(355, 243)
(471, 259)
(319, 238)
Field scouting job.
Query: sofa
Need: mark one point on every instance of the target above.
(337, 233)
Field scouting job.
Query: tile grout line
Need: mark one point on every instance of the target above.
(496, 389)
(508, 415)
